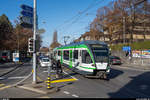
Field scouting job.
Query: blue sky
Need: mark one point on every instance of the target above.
(68, 17)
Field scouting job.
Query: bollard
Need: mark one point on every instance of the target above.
(48, 82)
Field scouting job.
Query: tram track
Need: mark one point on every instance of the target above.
(11, 70)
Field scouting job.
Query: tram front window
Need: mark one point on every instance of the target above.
(100, 55)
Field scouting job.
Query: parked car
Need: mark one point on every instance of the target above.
(115, 60)
(45, 62)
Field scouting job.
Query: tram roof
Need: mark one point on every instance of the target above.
(87, 42)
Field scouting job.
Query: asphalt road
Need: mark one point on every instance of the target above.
(16, 75)
(123, 83)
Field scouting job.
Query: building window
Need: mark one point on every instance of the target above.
(86, 57)
(66, 55)
(75, 54)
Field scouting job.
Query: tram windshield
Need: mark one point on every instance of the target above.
(100, 53)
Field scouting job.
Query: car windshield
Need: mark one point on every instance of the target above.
(45, 60)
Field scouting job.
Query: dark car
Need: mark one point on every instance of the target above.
(115, 60)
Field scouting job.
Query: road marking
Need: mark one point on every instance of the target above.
(2, 78)
(50, 71)
(66, 92)
(75, 96)
(2, 85)
(63, 80)
(5, 87)
(16, 77)
(45, 71)
(70, 75)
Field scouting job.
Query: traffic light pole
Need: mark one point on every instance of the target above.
(34, 44)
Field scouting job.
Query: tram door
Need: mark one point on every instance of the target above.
(75, 58)
(85, 59)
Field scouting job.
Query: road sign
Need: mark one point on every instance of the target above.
(28, 20)
(126, 48)
(27, 14)
(27, 8)
(15, 57)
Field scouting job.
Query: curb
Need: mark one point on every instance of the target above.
(52, 90)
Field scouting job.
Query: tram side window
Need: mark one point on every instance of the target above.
(66, 55)
(86, 57)
(59, 53)
(75, 54)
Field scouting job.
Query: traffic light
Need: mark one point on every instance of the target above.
(30, 45)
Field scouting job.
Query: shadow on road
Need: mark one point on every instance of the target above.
(138, 87)
(115, 73)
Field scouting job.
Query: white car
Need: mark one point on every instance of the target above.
(45, 62)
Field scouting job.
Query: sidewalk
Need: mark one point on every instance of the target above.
(39, 87)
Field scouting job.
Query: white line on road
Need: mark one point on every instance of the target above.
(75, 95)
(2, 78)
(66, 92)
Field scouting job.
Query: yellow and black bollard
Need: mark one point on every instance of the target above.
(48, 82)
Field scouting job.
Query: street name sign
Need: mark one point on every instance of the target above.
(27, 14)
(27, 20)
(27, 8)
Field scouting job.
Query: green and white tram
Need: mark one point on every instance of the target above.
(90, 58)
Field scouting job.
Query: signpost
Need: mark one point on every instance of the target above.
(29, 20)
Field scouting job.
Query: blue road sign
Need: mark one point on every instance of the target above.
(27, 14)
(27, 8)
(126, 48)
(28, 20)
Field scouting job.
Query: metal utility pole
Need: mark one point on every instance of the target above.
(34, 45)
(124, 30)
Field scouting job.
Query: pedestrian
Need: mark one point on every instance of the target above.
(127, 53)
(58, 69)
